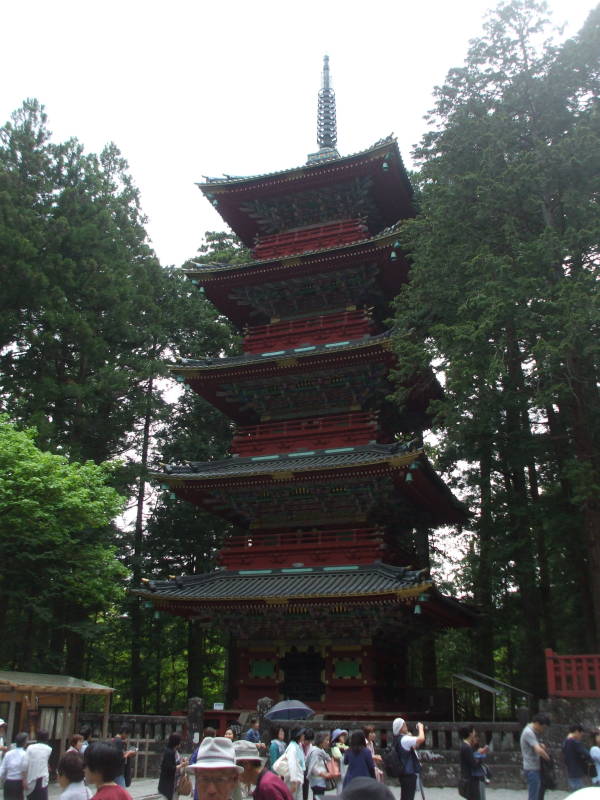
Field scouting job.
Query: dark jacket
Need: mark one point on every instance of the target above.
(577, 757)
(168, 773)
(408, 758)
(360, 765)
(470, 770)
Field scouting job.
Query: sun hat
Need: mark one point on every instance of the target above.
(217, 753)
(366, 789)
(248, 751)
(397, 726)
(337, 732)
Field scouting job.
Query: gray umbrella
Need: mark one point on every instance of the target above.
(290, 709)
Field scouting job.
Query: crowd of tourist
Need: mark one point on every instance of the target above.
(308, 764)
(302, 766)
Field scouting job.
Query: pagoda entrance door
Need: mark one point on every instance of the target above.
(302, 674)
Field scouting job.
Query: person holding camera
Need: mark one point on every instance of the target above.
(406, 746)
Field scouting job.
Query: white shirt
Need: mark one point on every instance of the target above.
(595, 756)
(408, 741)
(76, 791)
(38, 755)
(14, 765)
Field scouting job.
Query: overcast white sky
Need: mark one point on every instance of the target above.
(200, 87)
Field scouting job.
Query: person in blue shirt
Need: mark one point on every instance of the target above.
(253, 734)
(576, 756)
(471, 769)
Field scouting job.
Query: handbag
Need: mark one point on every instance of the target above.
(184, 784)
(281, 767)
(463, 787)
(333, 769)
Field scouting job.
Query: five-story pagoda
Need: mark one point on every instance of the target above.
(324, 580)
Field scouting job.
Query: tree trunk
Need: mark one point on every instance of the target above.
(574, 547)
(484, 633)
(194, 659)
(135, 612)
(584, 407)
(515, 456)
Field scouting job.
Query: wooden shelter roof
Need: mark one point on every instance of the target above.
(39, 682)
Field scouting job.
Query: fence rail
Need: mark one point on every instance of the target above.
(573, 675)
(144, 727)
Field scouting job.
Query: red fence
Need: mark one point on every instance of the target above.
(312, 331)
(573, 676)
(315, 237)
(336, 430)
(312, 548)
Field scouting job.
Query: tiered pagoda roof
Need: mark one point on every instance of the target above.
(337, 484)
(372, 184)
(306, 596)
(367, 272)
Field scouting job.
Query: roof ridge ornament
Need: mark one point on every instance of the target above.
(326, 120)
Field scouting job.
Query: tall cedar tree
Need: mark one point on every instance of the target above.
(87, 317)
(181, 538)
(508, 192)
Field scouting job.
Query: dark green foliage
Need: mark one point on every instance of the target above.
(508, 192)
(175, 537)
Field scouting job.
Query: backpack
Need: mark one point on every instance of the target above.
(393, 763)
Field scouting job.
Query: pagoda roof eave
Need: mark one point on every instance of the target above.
(391, 186)
(421, 486)
(300, 172)
(301, 590)
(371, 581)
(381, 240)
(318, 460)
(191, 366)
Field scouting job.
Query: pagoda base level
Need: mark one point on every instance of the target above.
(332, 677)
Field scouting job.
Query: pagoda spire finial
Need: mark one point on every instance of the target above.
(326, 122)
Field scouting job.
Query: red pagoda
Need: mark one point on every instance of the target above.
(324, 584)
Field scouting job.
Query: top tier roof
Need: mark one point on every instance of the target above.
(372, 184)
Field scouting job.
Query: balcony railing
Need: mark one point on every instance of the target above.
(313, 331)
(351, 429)
(573, 675)
(316, 538)
(315, 237)
(311, 548)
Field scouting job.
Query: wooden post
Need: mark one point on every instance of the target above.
(105, 717)
(75, 725)
(10, 734)
(550, 671)
(66, 725)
